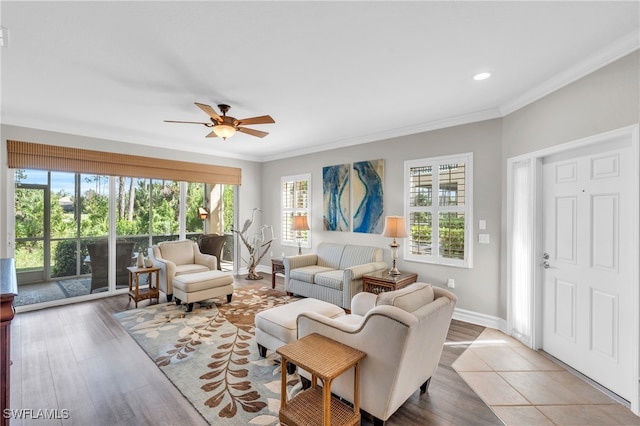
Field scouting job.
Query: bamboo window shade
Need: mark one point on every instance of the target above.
(28, 155)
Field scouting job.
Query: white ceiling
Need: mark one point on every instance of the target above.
(330, 73)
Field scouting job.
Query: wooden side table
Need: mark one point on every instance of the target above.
(325, 359)
(277, 267)
(378, 283)
(151, 292)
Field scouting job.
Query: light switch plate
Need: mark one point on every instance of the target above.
(482, 224)
(483, 238)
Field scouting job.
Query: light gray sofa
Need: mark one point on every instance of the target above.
(334, 273)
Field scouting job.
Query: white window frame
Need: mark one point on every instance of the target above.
(435, 209)
(306, 241)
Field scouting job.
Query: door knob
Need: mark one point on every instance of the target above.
(545, 263)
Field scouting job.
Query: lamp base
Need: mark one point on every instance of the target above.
(394, 270)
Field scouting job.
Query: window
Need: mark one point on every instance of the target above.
(439, 229)
(295, 201)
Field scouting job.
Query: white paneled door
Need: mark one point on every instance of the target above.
(588, 211)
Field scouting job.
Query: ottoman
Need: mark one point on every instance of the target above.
(277, 326)
(199, 286)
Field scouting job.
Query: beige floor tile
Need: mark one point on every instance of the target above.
(586, 415)
(521, 416)
(469, 361)
(496, 337)
(503, 358)
(493, 389)
(621, 414)
(554, 387)
(524, 387)
(575, 384)
(539, 360)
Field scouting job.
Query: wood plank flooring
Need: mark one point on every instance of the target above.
(78, 358)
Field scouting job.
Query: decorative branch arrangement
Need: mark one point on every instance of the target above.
(255, 244)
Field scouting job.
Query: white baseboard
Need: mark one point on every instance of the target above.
(480, 319)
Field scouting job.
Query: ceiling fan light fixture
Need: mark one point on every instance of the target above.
(224, 130)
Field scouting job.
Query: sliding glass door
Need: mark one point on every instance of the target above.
(64, 240)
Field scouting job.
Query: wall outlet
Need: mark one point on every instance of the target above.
(451, 283)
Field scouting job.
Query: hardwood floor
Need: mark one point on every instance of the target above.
(76, 359)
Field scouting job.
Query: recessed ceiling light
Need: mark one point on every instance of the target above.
(482, 76)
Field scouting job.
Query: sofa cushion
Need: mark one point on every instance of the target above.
(331, 279)
(359, 255)
(308, 273)
(179, 252)
(410, 298)
(329, 254)
(190, 268)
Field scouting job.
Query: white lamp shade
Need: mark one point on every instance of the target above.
(394, 227)
(300, 223)
(224, 130)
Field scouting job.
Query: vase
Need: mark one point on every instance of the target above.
(148, 262)
(140, 262)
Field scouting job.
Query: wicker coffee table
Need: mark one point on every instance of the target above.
(325, 359)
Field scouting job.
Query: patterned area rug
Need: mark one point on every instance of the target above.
(211, 356)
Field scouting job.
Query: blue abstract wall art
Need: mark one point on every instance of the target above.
(336, 201)
(368, 178)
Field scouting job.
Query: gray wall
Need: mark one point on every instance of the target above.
(604, 100)
(476, 287)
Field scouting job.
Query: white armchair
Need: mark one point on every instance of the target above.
(177, 258)
(402, 332)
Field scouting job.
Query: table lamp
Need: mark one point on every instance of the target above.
(394, 227)
(299, 224)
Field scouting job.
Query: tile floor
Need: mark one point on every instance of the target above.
(524, 387)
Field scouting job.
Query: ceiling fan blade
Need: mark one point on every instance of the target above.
(188, 122)
(210, 111)
(253, 132)
(211, 135)
(263, 119)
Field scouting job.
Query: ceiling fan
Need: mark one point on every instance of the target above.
(226, 126)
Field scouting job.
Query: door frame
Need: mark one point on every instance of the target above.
(535, 159)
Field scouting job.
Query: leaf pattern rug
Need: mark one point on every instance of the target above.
(211, 356)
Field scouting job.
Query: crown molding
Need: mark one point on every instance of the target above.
(443, 123)
(622, 47)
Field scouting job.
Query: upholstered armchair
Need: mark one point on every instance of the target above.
(177, 258)
(402, 332)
